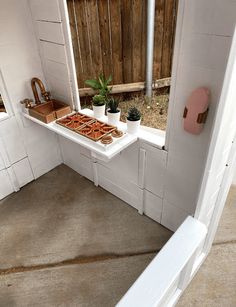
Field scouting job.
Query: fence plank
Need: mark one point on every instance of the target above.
(144, 38)
(127, 87)
(137, 41)
(167, 38)
(94, 37)
(116, 35)
(105, 37)
(75, 43)
(80, 14)
(158, 39)
(126, 19)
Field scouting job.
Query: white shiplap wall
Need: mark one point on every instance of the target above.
(200, 60)
(49, 18)
(26, 150)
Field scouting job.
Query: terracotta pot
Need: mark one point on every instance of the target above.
(113, 118)
(99, 111)
(133, 126)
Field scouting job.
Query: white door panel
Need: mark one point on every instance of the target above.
(2, 164)
(11, 140)
(153, 170)
(6, 187)
(23, 172)
(224, 131)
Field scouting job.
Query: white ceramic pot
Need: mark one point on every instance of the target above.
(133, 126)
(113, 118)
(99, 111)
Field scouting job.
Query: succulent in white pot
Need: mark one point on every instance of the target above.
(133, 120)
(113, 113)
(99, 105)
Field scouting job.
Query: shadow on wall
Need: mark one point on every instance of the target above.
(2, 107)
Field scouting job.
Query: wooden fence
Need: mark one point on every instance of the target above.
(109, 36)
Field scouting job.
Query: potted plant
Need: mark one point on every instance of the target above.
(113, 113)
(133, 120)
(99, 105)
(100, 100)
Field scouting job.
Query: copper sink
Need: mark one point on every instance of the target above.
(50, 110)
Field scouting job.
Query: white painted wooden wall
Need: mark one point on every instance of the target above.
(26, 150)
(201, 53)
(50, 24)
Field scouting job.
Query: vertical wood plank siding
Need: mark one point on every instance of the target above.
(109, 36)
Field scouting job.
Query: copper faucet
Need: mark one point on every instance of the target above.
(27, 102)
(44, 93)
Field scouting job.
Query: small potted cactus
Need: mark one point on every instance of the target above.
(113, 113)
(133, 120)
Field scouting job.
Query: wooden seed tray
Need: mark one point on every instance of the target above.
(87, 126)
(75, 121)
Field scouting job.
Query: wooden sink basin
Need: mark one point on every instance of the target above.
(49, 111)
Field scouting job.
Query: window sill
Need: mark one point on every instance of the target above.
(152, 136)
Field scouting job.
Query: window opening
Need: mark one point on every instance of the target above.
(109, 38)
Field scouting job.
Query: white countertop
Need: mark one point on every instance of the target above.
(99, 150)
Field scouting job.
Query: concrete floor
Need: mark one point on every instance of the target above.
(66, 243)
(215, 283)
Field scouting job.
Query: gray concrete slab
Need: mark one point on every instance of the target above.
(63, 216)
(215, 283)
(99, 284)
(227, 227)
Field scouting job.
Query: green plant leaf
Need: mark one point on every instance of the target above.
(99, 100)
(93, 84)
(101, 81)
(109, 79)
(113, 105)
(133, 114)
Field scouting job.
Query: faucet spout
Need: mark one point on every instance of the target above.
(44, 93)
